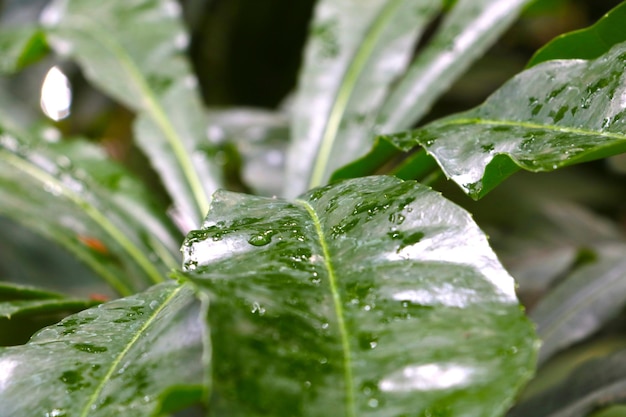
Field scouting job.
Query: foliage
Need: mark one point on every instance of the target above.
(355, 294)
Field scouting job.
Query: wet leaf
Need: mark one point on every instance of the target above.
(134, 51)
(588, 43)
(355, 51)
(470, 27)
(583, 302)
(553, 115)
(91, 206)
(121, 357)
(370, 297)
(20, 47)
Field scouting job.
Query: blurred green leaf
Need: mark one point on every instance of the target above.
(134, 51)
(11, 292)
(121, 357)
(596, 383)
(368, 297)
(21, 308)
(469, 28)
(20, 47)
(70, 192)
(355, 51)
(583, 302)
(588, 43)
(260, 137)
(553, 115)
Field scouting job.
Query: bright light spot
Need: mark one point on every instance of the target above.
(6, 370)
(428, 377)
(56, 95)
(445, 294)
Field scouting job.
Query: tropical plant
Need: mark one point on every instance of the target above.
(329, 288)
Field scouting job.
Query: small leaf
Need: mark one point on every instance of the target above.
(134, 51)
(70, 192)
(368, 297)
(466, 32)
(120, 358)
(582, 303)
(20, 47)
(588, 43)
(355, 51)
(553, 115)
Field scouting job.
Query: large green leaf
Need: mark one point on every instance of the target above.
(355, 51)
(583, 302)
(371, 297)
(120, 358)
(134, 51)
(588, 43)
(467, 31)
(70, 192)
(553, 115)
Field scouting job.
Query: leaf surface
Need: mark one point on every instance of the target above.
(582, 303)
(20, 47)
(553, 115)
(121, 357)
(134, 51)
(92, 206)
(588, 43)
(371, 297)
(355, 51)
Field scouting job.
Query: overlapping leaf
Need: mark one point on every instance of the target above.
(20, 47)
(133, 50)
(70, 192)
(355, 50)
(582, 303)
(555, 114)
(371, 297)
(123, 357)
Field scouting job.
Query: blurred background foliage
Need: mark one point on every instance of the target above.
(247, 53)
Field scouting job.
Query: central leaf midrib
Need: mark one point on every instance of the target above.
(344, 94)
(118, 359)
(338, 306)
(156, 112)
(531, 125)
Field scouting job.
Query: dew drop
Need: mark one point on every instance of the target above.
(257, 309)
(372, 403)
(261, 239)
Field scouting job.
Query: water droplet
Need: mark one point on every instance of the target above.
(257, 309)
(57, 412)
(325, 326)
(215, 134)
(307, 384)
(261, 239)
(181, 41)
(89, 348)
(51, 135)
(372, 403)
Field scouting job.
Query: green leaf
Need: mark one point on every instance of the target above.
(368, 297)
(134, 51)
(553, 115)
(355, 51)
(70, 192)
(588, 43)
(596, 383)
(121, 357)
(467, 31)
(583, 302)
(20, 47)
(260, 138)
(9, 292)
(22, 308)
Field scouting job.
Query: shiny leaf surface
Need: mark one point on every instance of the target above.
(466, 32)
(121, 357)
(553, 115)
(355, 51)
(588, 43)
(370, 297)
(134, 51)
(583, 302)
(93, 207)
